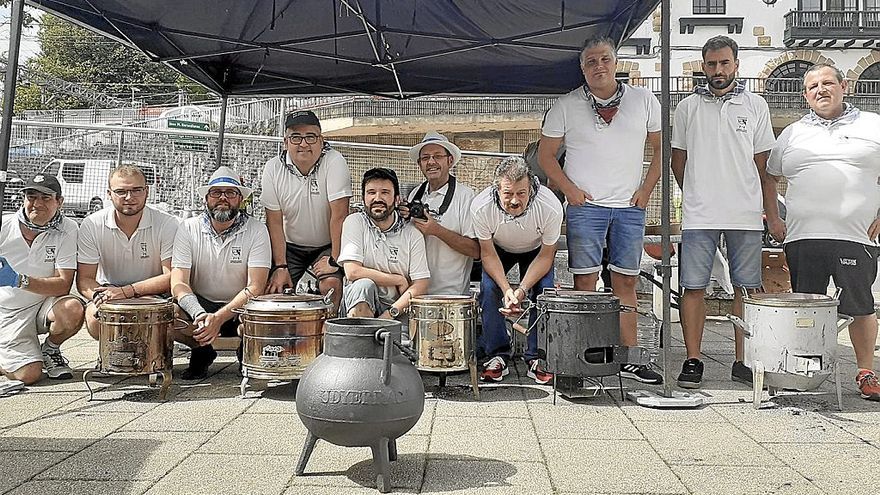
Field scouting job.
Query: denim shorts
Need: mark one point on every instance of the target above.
(587, 228)
(697, 256)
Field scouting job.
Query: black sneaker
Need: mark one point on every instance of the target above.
(691, 375)
(739, 372)
(642, 373)
(200, 360)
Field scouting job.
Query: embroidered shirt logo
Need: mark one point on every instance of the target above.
(144, 253)
(848, 261)
(742, 124)
(236, 254)
(392, 254)
(50, 254)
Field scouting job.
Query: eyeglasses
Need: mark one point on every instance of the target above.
(438, 157)
(226, 193)
(135, 192)
(308, 138)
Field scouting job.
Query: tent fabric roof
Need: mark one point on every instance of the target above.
(397, 48)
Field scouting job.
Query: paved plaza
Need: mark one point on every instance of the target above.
(206, 439)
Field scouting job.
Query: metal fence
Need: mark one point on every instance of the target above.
(82, 155)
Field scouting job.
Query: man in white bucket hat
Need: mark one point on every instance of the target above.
(447, 223)
(221, 259)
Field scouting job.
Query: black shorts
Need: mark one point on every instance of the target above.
(228, 329)
(852, 265)
(301, 258)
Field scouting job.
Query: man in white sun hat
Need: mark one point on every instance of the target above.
(221, 259)
(446, 223)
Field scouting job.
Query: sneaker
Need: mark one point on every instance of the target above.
(642, 373)
(538, 373)
(868, 387)
(55, 364)
(739, 372)
(200, 360)
(691, 375)
(494, 370)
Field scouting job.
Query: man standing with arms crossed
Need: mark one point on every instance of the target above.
(604, 125)
(831, 158)
(720, 141)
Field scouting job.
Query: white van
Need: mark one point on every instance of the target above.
(84, 182)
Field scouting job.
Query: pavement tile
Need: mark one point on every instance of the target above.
(72, 425)
(68, 487)
(844, 469)
(26, 406)
(445, 474)
(737, 480)
(130, 399)
(498, 402)
(190, 415)
(503, 439)
(128, 456)
(352, 467)
(704, 414)
(229, 474)
(582, 421)
(591, 466)
(426, 421)
(865, 425)
(331, 490)
(22, 466)
(715, 444)
(277, 434)
(785, 425)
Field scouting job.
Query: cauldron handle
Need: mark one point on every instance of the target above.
(328, 297)
(739, 323)
(383, 335)
(844, 323)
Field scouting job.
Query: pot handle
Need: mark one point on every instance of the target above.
(238, 311)
(628, 309)
(383, 335)
(843, 323)
(836, 296)
(739, 323)
(328, 297)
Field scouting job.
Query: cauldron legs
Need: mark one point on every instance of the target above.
(392, 450)
(166, 384)
(308, 447)
(382, 451)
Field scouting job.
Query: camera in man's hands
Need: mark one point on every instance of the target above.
(417, 209)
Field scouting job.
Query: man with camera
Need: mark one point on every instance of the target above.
(305, 192)
(440, 210)
(383, 256)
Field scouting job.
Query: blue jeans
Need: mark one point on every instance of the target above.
(494, 341)
(698, 255)
(588, 228)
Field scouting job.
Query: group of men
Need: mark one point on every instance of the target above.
(376, 261)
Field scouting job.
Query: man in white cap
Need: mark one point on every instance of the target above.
(306, 192)
(124, 251)
(221, 259)
(447, 223)
(37, 267)
(383, 256)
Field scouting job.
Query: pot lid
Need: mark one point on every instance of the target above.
(285, 302)
(789, 299)
(578, 296)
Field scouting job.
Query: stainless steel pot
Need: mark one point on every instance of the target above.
(442, 329)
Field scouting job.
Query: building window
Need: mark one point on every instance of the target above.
(810, 5)
(622, 77)
(869, 81)
(788, 77)
(839, 5)
(699, 79)
(709, 6)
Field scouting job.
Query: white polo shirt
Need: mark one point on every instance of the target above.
(218, 267)
(541, 224)
(450, 270)
(401, 252)
(122, 261)
(833, 177)
(722, 189)
(304, 201)
(606, 162)
(55, 249)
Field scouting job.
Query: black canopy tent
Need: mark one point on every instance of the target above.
(391, 48)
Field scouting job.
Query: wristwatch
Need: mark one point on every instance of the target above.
(394, 312)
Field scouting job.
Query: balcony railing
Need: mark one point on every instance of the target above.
(829, 27)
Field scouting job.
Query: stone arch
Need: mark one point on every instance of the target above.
(631, 69)
(813, 56)
(863, 63)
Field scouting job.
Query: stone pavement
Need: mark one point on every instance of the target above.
(206, 439)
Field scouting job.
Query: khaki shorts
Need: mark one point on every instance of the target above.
(19, 331)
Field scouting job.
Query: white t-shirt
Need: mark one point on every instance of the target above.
(122, 261)
(401, 252)
(218, 267)
(51, 250)
(606, 162)
(304, 202)
(450, 270)
(722, 189)
(541, 224)
(833, 178)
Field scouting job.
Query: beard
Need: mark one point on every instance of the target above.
(722, 84)
(222, 214)
(379, 216)
(130, 211)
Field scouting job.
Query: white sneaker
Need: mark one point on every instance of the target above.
(56, 364)
(494, 370)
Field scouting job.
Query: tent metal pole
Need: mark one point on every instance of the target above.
(17, 14)
(222, 131)
(665, 231)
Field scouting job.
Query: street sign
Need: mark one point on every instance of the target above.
(198, 144)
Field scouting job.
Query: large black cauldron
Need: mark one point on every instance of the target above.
(361, 392)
